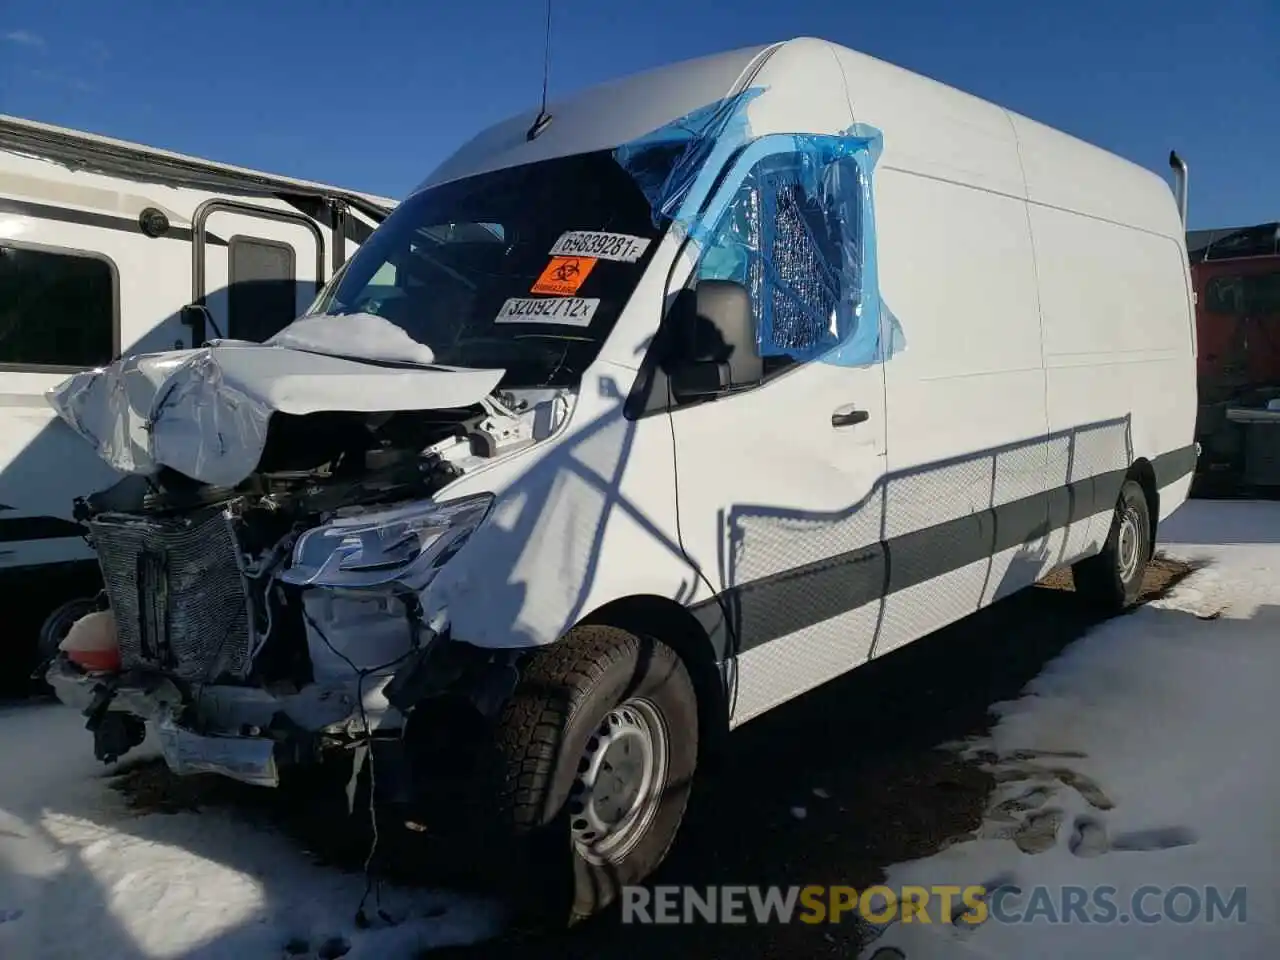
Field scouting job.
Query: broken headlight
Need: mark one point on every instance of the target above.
(406, 545)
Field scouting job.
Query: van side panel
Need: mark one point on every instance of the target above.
(966, 401)
(965, 498)
(1117, 320)
(1065, 172)
(1117, 343)
(1000, 431)
(932, 129)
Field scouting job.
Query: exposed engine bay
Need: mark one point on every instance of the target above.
(261, 623)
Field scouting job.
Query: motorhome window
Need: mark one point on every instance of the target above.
(792, 235)
(56, 309)
(262, 295)
(1249, 295)
(446, 261)
(1262, 240)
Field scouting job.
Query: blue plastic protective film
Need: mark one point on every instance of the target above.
(793, 223)
(666, 163)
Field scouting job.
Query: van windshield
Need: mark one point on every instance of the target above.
(525, 268)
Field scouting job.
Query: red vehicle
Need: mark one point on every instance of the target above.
(1236, 274)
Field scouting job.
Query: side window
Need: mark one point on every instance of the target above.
(1255, 294)
(792, 234)
(57, 309)
(262, 294)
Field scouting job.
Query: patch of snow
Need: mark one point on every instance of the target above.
(1142, 756)
(799, 812)
(82, 876)
(365, 336)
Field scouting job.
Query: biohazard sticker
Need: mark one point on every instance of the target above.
(570, 311)
(621, 247)
(563, 276)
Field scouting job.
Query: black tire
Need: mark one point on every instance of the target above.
(568, 696)
(56, 626)
(1112, 579)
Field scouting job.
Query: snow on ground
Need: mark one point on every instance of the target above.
(82, 876)
(1143, 756)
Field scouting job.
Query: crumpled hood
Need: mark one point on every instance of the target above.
(205, 412)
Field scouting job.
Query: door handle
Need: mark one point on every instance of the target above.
(848, 417)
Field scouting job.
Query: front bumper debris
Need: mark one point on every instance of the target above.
(331, 708)
(257, 734)
(250, 760)
(245, 733)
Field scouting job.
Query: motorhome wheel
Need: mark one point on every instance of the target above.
(599, 744)
(56, 626)
(1113, 578)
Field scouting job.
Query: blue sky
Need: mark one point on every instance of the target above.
(371, 96)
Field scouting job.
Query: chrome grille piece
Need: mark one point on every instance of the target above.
(177, 593)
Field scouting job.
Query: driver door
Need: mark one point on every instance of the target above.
(780, 485)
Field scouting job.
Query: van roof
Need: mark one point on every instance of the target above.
(811, 85)
(605, 115)
(134, 161)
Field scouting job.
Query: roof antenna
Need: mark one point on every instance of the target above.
(543, 119)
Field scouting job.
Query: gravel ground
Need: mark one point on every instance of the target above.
(859, 755)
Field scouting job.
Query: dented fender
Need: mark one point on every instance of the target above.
(583, 519)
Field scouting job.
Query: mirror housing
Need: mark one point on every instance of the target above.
(714, 339)
(699, 380)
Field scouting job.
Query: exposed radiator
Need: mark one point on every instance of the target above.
(177, 593)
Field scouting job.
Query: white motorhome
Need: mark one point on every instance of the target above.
(110, 248)
(640, 417)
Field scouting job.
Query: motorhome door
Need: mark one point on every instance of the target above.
(254, 269)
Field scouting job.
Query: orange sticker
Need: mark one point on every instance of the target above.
(563, 276)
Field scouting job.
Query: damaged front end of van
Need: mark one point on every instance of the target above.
(432, 530)
(264, 559)
(272, 557)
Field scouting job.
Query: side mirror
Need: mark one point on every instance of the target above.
(714, 339)
(699, 380)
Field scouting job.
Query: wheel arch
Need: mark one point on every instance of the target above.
(1143, 473)
(664, 619)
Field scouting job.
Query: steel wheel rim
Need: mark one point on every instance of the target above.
(1129, 544)
(621, 776)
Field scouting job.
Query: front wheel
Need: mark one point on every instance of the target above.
(1112, 579)
(598, 746)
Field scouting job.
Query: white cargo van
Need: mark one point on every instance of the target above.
(109, 248)
(631, 423)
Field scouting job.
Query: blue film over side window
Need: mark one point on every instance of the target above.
(666, 163)
(797, 230)
(809, 254)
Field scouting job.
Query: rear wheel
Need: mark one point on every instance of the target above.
(1112, 579)
(598, 747)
